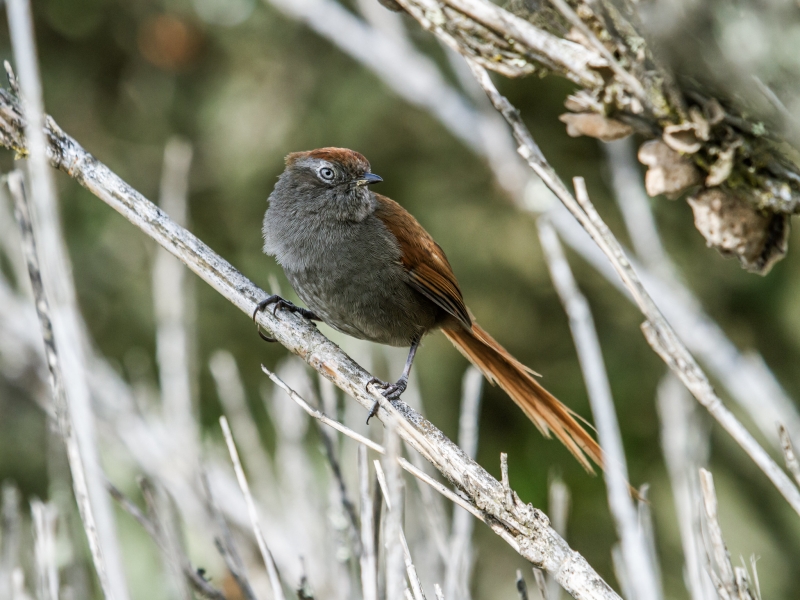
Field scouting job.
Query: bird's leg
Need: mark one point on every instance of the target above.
(392, 391)
(280, 303)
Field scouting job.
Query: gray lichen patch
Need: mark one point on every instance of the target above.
(735, 227)
(669, 172)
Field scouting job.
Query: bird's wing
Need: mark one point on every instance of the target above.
(423, 259)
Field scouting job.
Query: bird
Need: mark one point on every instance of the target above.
(365, 266)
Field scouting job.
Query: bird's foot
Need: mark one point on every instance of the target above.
(279, 303)
(390, 391)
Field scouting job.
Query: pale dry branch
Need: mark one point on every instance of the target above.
(411, 571)
(153, 529)
(541, 584)
(170, 296)
(638, 566)
(525, 528)
(789, 455)
(317, 414)
(45, 519)
(459, 560)
(61, 310)
(224, 543)
(558, 501)
(231, 393)
(685, 442)
(731, 583)
(162, 513)
(9, 242)
(368, 561)
(10, 531)
(630, 195)
(657, 329)
(339, 486)
(252, 512)
(459, 22)
(61, 405)
(633, 84)
(744, 377)
(393, 489)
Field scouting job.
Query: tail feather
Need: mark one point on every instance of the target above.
(541, 407)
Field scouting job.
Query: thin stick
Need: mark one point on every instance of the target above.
(369, 567)
(640, 569)
(504, 480)
(9, 242)
(685, 444)
(170, 293)
(558, 500)
(59, 288)
(200, 585)
(277, 590)
(721, 557)
(232, 396)
(633, 84)
(657, 330)
(225, 545)
(62, 408)
(630, 195)
(541, 583)
(394, 499)
(459, 562)
(789, 455)
(411, 570)
(413, 470)
(746, 377)
(392, 486)
(45, 517)
(317, 414)
(10, 531)
(162, 514)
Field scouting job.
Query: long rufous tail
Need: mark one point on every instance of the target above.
(541, 407)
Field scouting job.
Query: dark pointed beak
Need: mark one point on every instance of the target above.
(370, 178)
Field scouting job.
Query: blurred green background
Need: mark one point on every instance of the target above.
(246, 86)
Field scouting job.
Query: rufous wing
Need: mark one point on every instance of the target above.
(424, 260)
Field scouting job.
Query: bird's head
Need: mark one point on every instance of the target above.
(329, 179)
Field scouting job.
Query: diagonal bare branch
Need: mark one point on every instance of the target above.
(522, 526)
(657, 330)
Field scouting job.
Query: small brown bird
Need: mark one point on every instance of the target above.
(367, 268)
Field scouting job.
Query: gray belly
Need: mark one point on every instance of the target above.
(358, 287)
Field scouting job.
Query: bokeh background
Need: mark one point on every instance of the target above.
(246, 85)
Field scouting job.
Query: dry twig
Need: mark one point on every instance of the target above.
(61, 312)
(266, 555)
(459, 562)
(657, 329)
(640, 570)
(62, 408)
(789, 455)
(170, 295)
(154, 530)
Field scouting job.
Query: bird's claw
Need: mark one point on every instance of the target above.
(277, 301)
(390, 391)
(279, 304)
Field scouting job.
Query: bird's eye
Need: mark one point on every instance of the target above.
(326, 173)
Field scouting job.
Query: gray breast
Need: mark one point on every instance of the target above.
(350, 275)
